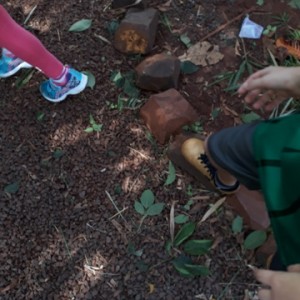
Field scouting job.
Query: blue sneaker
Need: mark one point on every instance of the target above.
(11, 65)
(76, 83)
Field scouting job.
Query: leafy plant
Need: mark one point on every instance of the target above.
(112, 27)
(294, 3)
(195, 127)
(81, 25)
(129, 98)
(172, 174)
(146, 206)
(281, 20)
(270, 30)
(183, 263)
(166, 22)
(94, 126)
(260, 2)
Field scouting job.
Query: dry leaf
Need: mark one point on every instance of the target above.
(237, 48)
(203, 54)
(172, 222)
(151, 288)
(212, 209)
(165, 7)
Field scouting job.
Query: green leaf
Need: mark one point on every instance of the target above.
(186, 268)
(237, 224)
(92, 120)
(112, 27)
(197, 247)
(255, 239)
(180, 263)
(155, 209)
(40, 116)
(168, 247)
(12, 188)
(172, 174)
(260, 2)
(91, 79)
(89, 130)
(139, 208)
(250, 117)
(117, 78)
(147, 198)
(130, 89)
(81, 25)
(187, 67)
(184, 233)
(143, 267)
(197, 270)
(58, 153)
(97, 127)
(23, 80)
(181, 219)
(186, 40)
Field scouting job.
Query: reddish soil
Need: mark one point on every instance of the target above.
(60, 235)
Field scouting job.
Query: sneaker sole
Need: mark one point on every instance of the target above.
(74, 91)
(23, 65)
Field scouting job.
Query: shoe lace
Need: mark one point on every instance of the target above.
(209, 167)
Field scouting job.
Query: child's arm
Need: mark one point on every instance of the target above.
(270, 86)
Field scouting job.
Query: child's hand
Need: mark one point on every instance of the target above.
(283, 285)
(270, 86)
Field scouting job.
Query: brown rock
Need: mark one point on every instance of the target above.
(129, 3)
(165, 114)
(158, 73)
(251, 206)
(137, 31)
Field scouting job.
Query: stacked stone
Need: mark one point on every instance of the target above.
(167, 111)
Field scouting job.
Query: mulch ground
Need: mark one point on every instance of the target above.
(60, 235)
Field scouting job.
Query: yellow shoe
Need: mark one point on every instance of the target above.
(194, 152)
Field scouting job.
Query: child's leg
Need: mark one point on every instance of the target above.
(27, 47)
(231, 152)
(225, 158)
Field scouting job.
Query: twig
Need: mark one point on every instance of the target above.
(223, 26)
(118, 213)
(115, 206)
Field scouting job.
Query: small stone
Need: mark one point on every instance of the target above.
(137, 31)
(126, 3)
(158, 73)
(165, 113)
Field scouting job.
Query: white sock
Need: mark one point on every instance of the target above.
(62, 79)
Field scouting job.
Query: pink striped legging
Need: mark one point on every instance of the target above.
(27, 47)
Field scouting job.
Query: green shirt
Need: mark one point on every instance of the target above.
(277, 152)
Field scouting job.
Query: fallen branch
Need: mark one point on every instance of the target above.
(221, 27)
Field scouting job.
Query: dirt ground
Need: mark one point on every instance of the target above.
(60, 235)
